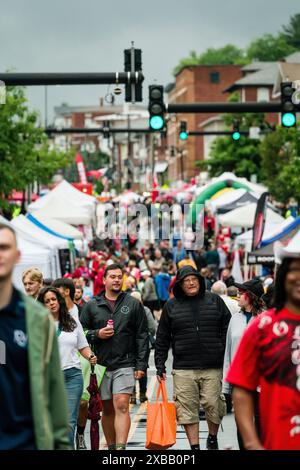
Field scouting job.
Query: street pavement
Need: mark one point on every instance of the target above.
(137, 434)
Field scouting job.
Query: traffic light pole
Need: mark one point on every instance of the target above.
(215, 133)
(96, 130)
(36, 79)
(249, 107)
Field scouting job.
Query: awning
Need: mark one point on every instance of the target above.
(160, 167)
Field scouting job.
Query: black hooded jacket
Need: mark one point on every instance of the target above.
(195, 327)
(129, 345)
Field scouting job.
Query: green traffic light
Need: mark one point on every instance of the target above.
(156, 123)
(236, 135)
(288, 119)
(183, 135)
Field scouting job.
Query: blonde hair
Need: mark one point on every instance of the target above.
(34, 274)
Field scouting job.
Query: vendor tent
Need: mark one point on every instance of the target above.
(271, 230)
(55, 227)
(62, 209)
(65, 192)
(34, 253)
(246, 198)
(265, 254)
(292, 249)
(244, 217)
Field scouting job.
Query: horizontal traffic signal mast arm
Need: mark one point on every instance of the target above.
(249, 107)
(215, 133)
(96, 130)
(35, 79)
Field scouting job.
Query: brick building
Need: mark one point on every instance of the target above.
(203, 83)
(258, 81)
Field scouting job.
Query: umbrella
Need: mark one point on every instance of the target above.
(95, 407)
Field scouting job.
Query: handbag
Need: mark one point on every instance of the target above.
(161, 422)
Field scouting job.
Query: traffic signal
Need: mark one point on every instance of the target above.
(133, 63)
(288, 114)
(156, 107)
(236, 135)
(183, 134)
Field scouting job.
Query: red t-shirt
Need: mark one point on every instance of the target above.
(269, 357)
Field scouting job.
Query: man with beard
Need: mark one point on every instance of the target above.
(32, 391)
(121, 347)
(268, 357)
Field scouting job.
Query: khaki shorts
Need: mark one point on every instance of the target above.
(193, 388)
(117, 381)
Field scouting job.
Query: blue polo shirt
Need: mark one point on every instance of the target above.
(16, 422)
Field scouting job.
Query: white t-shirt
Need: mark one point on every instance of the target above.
(69, 344)
(74, 312)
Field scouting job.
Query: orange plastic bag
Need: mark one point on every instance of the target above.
(161, 422)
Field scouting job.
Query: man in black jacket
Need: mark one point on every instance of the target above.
(121, 348)
(195, 323)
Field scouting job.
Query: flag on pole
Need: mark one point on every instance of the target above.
(259, 220)
(81, 169)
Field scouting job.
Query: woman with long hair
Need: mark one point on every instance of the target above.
(251, 305)
(71, 340)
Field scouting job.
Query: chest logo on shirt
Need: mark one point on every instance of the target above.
(265, 320)
(20, 338)
(125, 309)
(280, 328)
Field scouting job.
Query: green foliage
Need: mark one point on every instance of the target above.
(291, 32)
(266, 48)
(228, 54)
(24, 151)
(280, 162)
(269, 48)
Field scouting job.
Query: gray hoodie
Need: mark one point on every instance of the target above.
(236, 328)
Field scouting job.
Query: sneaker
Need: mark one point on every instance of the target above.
(212, 443)
(143, 397)
(80, 442)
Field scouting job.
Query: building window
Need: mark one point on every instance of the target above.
(215, 77)
(263, 94)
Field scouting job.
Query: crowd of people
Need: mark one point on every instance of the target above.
(233, 344)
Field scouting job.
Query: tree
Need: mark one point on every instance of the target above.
(229, 54)
(269, 48)
(24, 150)
(291, 32)
(241, 157)
(280, 163)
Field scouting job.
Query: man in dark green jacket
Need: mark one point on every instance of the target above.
(32, 391)
(122, 347)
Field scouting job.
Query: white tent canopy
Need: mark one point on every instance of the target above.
(270, 231)
(292, 250)
(49, 240)
(244, 217)
(34, 253)
(57, 226)
(64, 191)
(62, 209)
(227, 198)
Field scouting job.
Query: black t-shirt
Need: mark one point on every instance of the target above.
(16, 422)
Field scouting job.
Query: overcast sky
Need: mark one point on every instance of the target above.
(90, 36)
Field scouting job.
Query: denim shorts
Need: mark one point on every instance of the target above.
(117, 381)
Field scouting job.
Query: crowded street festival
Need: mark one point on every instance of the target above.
(149, 234)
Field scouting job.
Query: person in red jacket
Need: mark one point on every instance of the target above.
(268, 359)
(99, 279)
